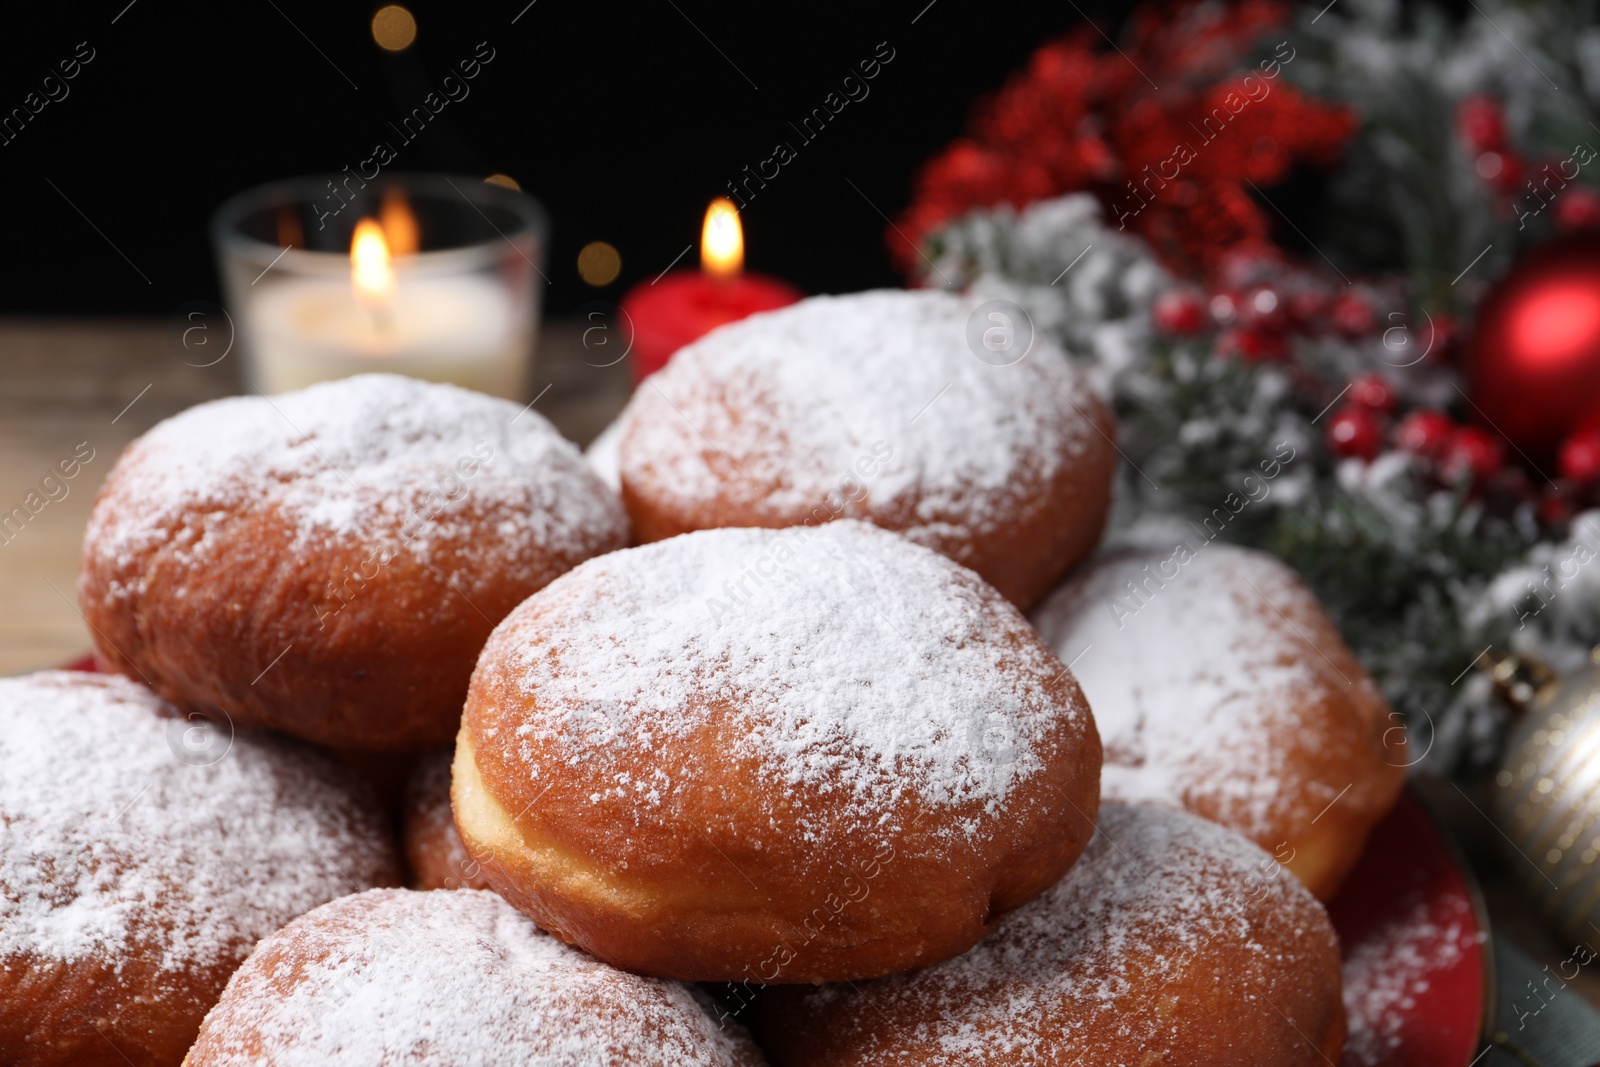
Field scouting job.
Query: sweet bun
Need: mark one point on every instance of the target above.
(395, 977)
(814, 754)
(1172, 941)
(876, 406)
(1222, 687)
(142, 855)
(329, 562)
(433, 848)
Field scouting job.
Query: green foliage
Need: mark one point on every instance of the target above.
(1396, 560)
(1407, 195)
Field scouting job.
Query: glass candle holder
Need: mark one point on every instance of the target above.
(426, 275)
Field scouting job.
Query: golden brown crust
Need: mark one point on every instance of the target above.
(723, 437)
(1221, 686)
(87, 1014)
(744, 868)
(1057, 521)
(433, 847)
(225, 586)
(709, 908)
(119, 928)
(386, 673)
(396, 978)
(1172, 942)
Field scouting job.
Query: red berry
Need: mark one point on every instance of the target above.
(1370, 391)
(1307, 306)
(1556, 507)
(1577, 208)
(1178, 312)
(1424, 432)
(1353, 316)
(1471, 450)
(1354, 432)
(1580, 456)
(1481, 123)
(1252, 346)
(1502, 170)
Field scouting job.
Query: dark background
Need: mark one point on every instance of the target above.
(623, 119)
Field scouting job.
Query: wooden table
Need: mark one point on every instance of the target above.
(101, 383)
(85, 385)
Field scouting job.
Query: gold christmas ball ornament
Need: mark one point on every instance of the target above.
(1546, 795)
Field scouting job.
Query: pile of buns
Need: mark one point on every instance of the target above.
(793, 780)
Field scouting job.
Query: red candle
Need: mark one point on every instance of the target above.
(684, 305)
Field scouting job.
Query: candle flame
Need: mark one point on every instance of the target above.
(722, 240)
(371, 270)
(399, 224)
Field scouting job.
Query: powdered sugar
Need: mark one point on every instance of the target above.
(1195, 679)
(110, 844)
(777, 411)
(376, 459)
(1161, 902)
(400, 977)
(1389, 968)
(860, 665)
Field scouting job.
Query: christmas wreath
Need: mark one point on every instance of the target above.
(1404, 403)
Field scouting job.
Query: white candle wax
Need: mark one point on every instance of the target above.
(461, 330)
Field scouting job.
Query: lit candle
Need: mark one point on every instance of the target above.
(687, 304)
(417, 314)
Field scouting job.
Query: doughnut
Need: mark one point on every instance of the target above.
(1221, 686)
(329, 562)
(875, 406)
(751, 755)
(1172, 941)
(392, 977)
(142, 855)
(428, 828)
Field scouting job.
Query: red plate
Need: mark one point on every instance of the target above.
(1417, 970)
(1415, 939)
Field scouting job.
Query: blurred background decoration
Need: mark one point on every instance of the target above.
(425, 275)
(623, 120)
(1336, 266)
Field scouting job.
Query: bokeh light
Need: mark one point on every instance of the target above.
(599, 263)
(394, 28)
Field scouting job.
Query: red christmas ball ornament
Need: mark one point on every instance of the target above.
(1534, 369)
(1481, 123)
(1424, 433)
(1353, 316)
(1354, 432)
(1471, 449)
(1580, 456)
(1577, 208)
(1372, 392)
(1178, 312)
